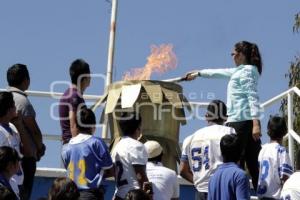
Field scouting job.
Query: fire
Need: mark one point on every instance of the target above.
(161, 59)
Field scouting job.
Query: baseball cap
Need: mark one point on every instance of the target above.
(153, 148)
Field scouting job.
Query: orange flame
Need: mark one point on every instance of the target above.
(161, 59)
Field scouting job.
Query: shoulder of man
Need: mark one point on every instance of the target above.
(169, 172)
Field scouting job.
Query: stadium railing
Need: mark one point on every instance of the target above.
(292, 136)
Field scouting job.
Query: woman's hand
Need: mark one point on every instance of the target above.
(256, 130)
(192, 75)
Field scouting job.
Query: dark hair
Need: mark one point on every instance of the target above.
(16, 74)
(251, 52)
(216, 111)
(157, 158)
(7, 155)
(129, 122)
(6, 102)
(6, 194)
(63, 189)
(276, 127)
(78, 68)
(85, 120)
(230, 148)
(137, 194)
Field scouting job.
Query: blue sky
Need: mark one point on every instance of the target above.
(49, 35)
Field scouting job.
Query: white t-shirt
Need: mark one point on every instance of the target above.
(185, 149)
(291, 188)
(202, 150)
(274, 162)
(164, 181)
(12, 140)
(126, 153)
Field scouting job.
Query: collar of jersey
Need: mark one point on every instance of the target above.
(80, 138)
(17, 90)
(155, 163)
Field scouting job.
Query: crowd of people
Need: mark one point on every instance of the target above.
(213, 158)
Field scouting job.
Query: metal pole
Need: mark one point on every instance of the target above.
(111, 50)
(290, 126)
(111, 45)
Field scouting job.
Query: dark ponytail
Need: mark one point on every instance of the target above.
(251, 52)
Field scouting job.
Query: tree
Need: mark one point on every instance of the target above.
(296, 26)
(294, 80)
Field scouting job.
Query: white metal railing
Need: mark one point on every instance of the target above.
(292, 135)
(54, 94)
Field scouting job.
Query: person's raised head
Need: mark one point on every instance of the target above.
(63, 189)
(130, 123)
(247, 53)
(230, 148)
(18, 76)
(277, 127)
(80, 73)
(7, 105)
(86, 121)
(216, 112)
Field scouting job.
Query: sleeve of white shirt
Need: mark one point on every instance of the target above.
(232, 131)
(185, 148)
(138, 155)
(285, 165)
(3, 140)
(17, 135)
(176, 187)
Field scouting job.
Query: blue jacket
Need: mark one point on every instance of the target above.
(242, 97)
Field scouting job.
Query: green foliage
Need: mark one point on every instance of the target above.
(296, 26)
(293, 76)
(294, 80)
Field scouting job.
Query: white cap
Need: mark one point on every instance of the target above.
(153, 148)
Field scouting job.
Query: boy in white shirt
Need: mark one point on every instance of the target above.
(164, 180)
(9, 135)
(274, 162)
(129, 157)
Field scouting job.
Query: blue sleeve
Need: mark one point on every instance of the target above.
(285, 167)
(217, 73)
(65, 155)
(210, 190)
(242, 187)
(249, 80)
(104, 154)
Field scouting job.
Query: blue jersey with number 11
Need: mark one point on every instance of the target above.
(85, 158)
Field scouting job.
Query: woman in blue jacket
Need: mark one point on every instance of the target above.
(243, 108)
